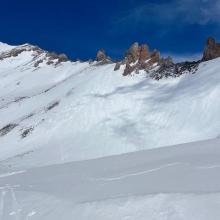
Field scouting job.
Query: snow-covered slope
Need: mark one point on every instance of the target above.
(53, 112)
(74, 111)
(172, 183)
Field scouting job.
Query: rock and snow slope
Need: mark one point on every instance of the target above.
(54, 112)
(77, 111)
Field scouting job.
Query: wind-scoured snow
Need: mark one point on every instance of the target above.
(178, 182)
(66, 130)
(95, 111)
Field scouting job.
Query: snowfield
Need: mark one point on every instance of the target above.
(80, 141)
(77, 111)
(179, 182)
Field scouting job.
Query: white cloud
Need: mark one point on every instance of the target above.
(179, 11)
(177, 58)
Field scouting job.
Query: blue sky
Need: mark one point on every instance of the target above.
(78, 28)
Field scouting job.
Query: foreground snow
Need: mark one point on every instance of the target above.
(175, 183)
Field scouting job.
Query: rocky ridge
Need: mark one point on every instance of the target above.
(140, 58)
(39, 55)
(137, 58)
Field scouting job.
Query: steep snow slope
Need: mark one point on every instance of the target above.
(175, 183)
(76, 111)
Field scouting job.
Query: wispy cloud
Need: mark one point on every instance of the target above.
(177, 11)
(177, 58)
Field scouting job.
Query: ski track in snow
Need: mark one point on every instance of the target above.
(9, 205)
(15, 204)
(11, 174)
(29, 215)
(137, 173)
(209, 167)
(3, 193)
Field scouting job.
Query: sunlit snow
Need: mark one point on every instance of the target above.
(55, 118)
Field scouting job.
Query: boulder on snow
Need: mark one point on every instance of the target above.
(117, 66)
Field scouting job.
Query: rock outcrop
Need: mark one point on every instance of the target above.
(132, 54)
(143, 53)
(59, 57)
(102, 58)
(39, 55)
(101, 55)
(212, 50)
(154, 57)
(18, 50)
(117, 66)
(169, 69)
(137, 53)
(140, 58)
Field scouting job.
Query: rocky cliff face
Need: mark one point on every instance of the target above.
(138, 57)
(212, 50)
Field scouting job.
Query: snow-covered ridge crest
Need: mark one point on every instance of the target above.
(39, 55)
(5, 47)
(137, 58)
